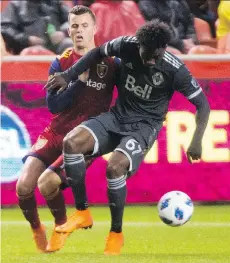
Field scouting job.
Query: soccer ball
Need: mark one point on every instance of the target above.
(175, 208)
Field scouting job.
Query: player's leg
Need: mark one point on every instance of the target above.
(43, 153)
(25, 191)
(49, 186)
(125, 160)
(51, 183)
(77, 143)
(116, 171)
(98, 140)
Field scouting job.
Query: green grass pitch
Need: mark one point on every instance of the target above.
(205, 239)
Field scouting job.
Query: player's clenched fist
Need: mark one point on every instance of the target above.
(57, 81)
(194, 152)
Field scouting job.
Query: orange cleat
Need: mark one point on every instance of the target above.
(39, 235)
(114, 243)
(80, 219)
(56, 241)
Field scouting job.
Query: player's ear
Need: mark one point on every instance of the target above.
(68, 30)
(95, 29)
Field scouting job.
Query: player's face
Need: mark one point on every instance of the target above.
(82, 30)
(150, 58)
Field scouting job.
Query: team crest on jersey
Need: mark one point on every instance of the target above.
(39, 144)
(158, 78)
(195, 83)
(102, 70)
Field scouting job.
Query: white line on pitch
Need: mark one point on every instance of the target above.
(132, 224)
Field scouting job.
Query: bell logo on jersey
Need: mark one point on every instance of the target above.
(138, 90)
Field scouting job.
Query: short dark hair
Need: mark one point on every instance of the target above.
(81, 9)
(153, 35)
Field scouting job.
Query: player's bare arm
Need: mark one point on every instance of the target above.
(190, 88)
(194, 151)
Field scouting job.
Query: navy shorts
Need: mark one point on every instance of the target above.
(132, 139)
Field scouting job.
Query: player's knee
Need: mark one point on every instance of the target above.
(79, 140)
(116, 169)
(48, 182)
(68, 143)
(28, 179)
(72, 143)
(24, 188)
(118, 165)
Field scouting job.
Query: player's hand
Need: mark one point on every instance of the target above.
(56, 82)
(84, 76)
(194, 152)
(61, 90)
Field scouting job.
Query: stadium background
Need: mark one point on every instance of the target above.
(205, 239)
(24, 115)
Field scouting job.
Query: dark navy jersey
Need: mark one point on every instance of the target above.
(144, 91)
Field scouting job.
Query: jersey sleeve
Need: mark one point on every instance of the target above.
(117, 47)
(55, 67)
(186, 84)
(59, 102)
(117, 74)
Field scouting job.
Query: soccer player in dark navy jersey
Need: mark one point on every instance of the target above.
(149, 77)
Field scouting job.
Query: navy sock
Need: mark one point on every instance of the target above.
(117, 192)
(76, 170)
